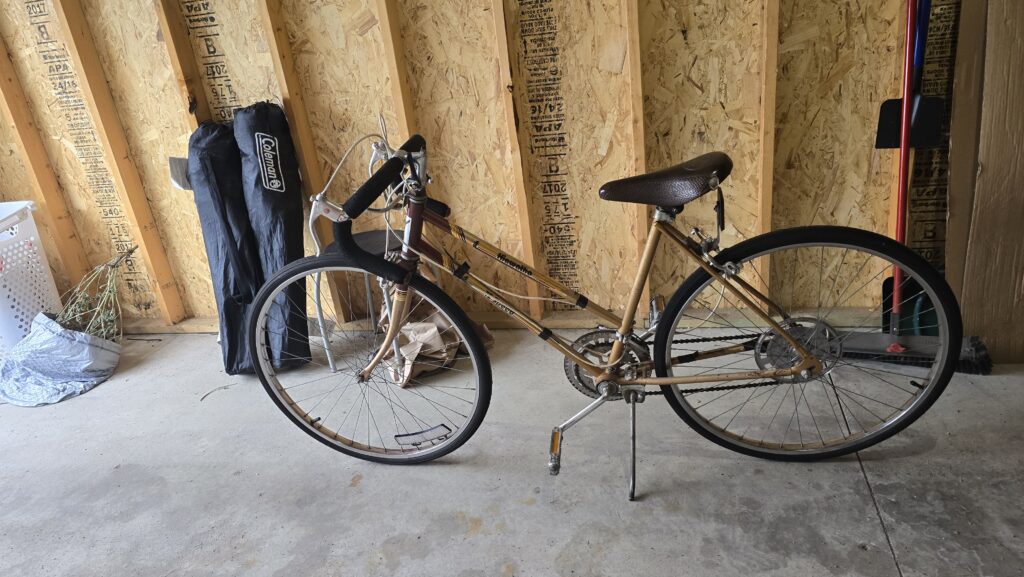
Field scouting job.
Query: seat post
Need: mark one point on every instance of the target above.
(665, 215)
(642, 273)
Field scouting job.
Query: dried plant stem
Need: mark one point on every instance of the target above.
(92, 306)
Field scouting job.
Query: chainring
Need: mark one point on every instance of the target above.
(595, 346)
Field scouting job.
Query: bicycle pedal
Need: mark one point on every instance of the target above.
(555, 457)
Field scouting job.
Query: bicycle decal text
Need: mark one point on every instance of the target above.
(509, 262)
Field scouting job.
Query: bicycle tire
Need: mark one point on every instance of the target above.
(418, 285)
(802, 237)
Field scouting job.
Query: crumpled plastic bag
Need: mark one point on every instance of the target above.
(53, 363)
(427, 342)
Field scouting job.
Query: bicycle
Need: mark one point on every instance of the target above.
(800, 369)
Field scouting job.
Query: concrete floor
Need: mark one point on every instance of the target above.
(173, 468)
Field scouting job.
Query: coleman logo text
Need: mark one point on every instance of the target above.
(270, 162)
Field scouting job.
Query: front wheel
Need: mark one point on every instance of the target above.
(316, 324)
(833, 290)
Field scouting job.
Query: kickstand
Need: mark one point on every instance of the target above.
(608, 390)
(630, 397)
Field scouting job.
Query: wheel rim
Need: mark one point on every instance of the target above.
(378, 418)
(861, 397)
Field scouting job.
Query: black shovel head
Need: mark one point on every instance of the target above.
(925, 124)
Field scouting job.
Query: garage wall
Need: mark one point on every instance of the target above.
(636, 84)
(703, 91)
(54, 96)
(992, 297)
(838, 61)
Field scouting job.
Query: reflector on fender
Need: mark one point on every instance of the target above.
(416, 439)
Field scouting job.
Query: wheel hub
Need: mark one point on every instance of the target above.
(773, 352)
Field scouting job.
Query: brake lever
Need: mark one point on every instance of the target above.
(381, 152)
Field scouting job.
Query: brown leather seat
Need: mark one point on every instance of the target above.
(672, 187)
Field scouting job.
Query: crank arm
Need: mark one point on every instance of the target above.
(608, 390)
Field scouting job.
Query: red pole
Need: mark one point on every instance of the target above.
(906, 114)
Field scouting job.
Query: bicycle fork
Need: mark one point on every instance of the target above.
(608, 389)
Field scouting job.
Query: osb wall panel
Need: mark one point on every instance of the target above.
(702, 93)
(993, 293)
(573, 103)
(140, 78)
(340, 63)
(453, 74)
(33, 37)
(701, 83)
(14, 177)
(234, 61)
(15, 184)
(838, 61)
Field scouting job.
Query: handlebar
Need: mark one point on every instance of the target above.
(386, 175)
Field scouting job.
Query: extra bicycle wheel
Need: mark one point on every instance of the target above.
(425, 398)
(830, 284)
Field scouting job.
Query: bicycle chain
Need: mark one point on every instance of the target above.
(660, 390)
(710, 339)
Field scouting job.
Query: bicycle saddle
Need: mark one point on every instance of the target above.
(672, 187)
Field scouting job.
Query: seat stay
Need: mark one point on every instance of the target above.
(808, 361)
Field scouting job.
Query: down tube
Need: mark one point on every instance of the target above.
(492, 252)
(527, 321)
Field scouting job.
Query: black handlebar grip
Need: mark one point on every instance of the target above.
(415, 143)
(374, 186)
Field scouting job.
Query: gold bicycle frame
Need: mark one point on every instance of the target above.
(740, 288)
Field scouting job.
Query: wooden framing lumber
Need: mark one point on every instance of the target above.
(639, 161)
(894, 196)
(398, 71)
(191, 325)
(531, 250)
(183, 62)
(766, 160)
(302, 135)
(125, 176)
(766, 156)
(291, 95)
(965, 139)
(994, 261)
(52, 207)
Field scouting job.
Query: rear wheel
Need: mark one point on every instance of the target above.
(421, 402)
(830, 284)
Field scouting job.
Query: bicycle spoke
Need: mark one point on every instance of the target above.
(860, 393)
(437, 387)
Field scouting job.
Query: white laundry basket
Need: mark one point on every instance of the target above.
(26, 284)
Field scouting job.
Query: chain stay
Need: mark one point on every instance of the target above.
(660, 390)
